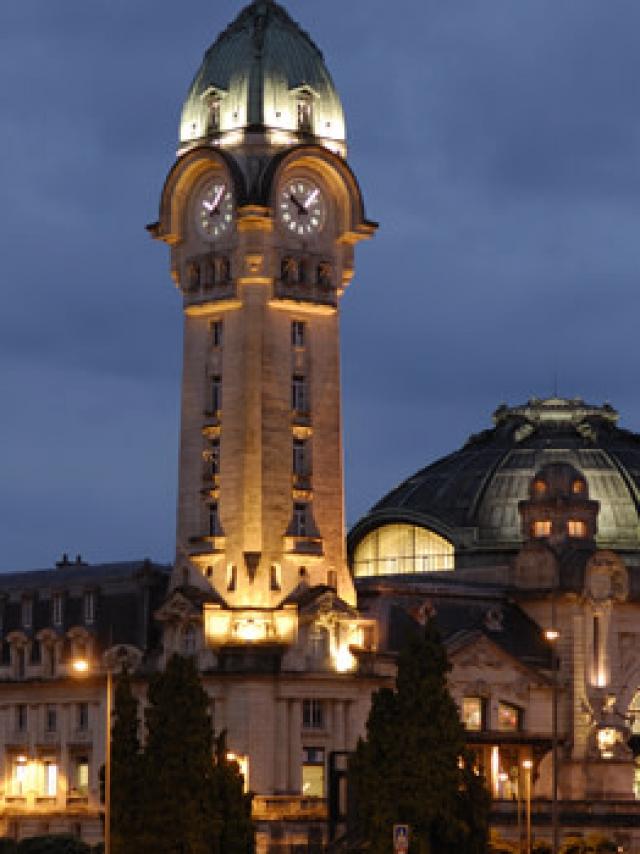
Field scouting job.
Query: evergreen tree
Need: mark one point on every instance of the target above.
(413, 767)
(126, 771)
(194, 800)
(233, 807)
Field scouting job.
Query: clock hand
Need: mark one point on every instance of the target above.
(208, 205)
(218, 199)
(299, 205)
(312, 198)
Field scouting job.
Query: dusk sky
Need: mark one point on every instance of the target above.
(496, 142)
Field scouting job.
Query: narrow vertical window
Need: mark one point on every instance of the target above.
(27, 613)
(56, 608)
(214, 458)
(89, 607)
(214, 520)
(21, 717)
(51, 718)
(305, 114)
(216, 334)
(299, 401)
(232, 578)
(298, 331)
(216, 393)
(300, 522)
(274, 577)
(82, 775)
(82, 716)
(299, 457)
(50, 778)
(21, 662)
(214, 115)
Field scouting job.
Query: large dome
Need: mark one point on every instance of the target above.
(469, 500)
(263, 71)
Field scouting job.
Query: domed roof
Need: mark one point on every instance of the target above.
(471, 497)
(263, 71)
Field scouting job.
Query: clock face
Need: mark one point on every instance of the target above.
(214, 212)
(302, 207)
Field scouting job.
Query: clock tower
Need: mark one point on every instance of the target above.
(261, 213)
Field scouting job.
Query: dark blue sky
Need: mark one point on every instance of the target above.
(498, 144)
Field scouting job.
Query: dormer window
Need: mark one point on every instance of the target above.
(539, 487)
(214, 115)
(542, 528)
(56, 609)
(578, 487)
(577, 528)
(89, 607)
(27, 613)
(305, 113)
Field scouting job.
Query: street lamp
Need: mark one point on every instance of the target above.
(82, 667)
(553, 635)
(528, 765)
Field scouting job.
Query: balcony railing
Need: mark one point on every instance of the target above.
(272, 807)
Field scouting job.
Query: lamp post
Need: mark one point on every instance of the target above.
(552, 635)
(82, 667)
(528, 765)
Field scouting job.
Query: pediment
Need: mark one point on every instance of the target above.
(177, 607)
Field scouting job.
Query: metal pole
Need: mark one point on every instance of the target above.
(107, 772)
(528, 790)
(555, 661)
(519, 806)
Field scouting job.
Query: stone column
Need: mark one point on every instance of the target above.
(281, 751)
(295, 747)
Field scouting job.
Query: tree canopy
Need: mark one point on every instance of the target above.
(413, 767)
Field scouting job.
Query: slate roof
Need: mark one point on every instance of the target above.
(479, 486)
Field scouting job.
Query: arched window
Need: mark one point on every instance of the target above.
(401, 549)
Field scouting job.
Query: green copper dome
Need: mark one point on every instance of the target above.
(263, 71)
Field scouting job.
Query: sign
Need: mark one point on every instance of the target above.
(400, 838)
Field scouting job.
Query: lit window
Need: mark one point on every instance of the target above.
(243, 767)
(402, 549)
(82, 775)
(56, 608)
(300, 519)
(313, 772)
(215, 529)
(216, 334)
(472, 713)
(313, 714)
(539, 487)
(51, 721)
(299, 401)
(27, 613)
(578, 487)
(50, 778)
(19, 776)
(509, 717)
(82, 716)
(577, 528)
(297, 333)
(216, 393)
(542, 528)
(89, 607)
(21, 717)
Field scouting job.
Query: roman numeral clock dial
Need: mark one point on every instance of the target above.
(302, 207)
(214, 210)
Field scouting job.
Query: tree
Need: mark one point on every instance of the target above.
(413, 767)
(194, 803)
(233, 806)
(126, 770)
